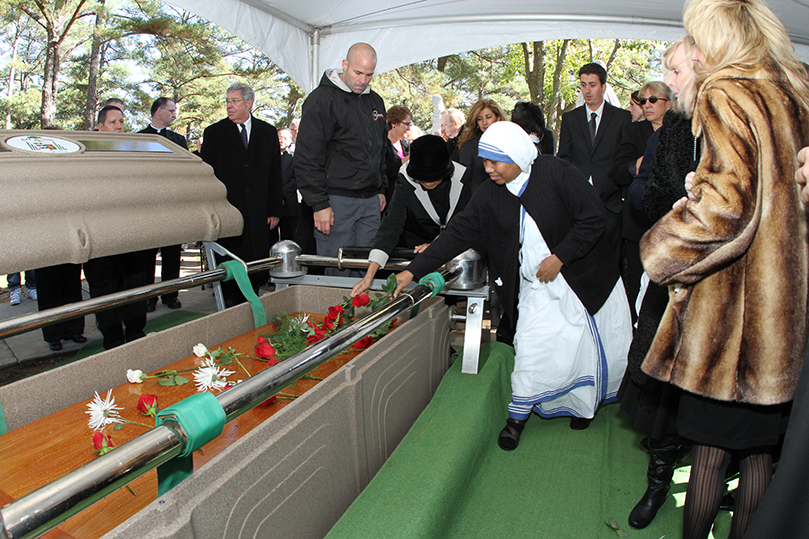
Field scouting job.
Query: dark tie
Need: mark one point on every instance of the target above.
(592, 124)
(244, 134)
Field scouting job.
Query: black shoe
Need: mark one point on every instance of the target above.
(646, 509)
(579, 423)
(55, 345)
(77, 338)
(172, 303)
(510, 436)
(151, 305)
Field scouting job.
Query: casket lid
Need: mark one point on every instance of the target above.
(74, 195)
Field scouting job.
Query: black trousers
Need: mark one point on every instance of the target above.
(170, 267)
(56, 286)
(110, 274)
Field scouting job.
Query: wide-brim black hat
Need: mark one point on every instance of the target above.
(429, 159)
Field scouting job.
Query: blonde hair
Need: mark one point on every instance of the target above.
(745, 35)
(471, 127)
(688, 92)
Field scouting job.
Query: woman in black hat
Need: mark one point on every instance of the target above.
(430, 190)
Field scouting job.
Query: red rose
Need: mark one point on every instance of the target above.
(264, 349)
(101, 443)
(361, 301)
(328, 323)
(312, 339)
(364, 343)
(147, 405)
(269, 401)
(320, 331)
(335, 311)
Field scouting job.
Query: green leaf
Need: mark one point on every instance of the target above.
(613, 524)
(173, 380)
(390, 286)
(118, 426)
(180, 380)
(622, 533)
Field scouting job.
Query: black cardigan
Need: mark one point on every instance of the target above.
(569, 215)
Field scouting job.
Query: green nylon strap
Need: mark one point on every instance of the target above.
(435, 281)
(3, 426)
(235, 271)
(203, 419)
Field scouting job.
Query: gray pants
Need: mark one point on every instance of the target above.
(356, 221)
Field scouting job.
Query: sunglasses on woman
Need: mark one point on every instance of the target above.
(651, 99)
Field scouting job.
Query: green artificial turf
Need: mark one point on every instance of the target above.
(448, 478)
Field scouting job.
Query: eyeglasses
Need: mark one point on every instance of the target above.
(237, 101)
(651, 99)
(408, 124)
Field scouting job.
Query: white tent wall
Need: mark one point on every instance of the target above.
(308, 36)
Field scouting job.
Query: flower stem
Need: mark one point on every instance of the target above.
(286, 395)
(242, 366)
(130, 490)
(141, 424)
(310, 377)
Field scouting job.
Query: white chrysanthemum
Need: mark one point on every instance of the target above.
(210, 376)
(200, 350)
(134, 376)
(103, 412)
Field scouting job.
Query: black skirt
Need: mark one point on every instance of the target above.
(728, 425)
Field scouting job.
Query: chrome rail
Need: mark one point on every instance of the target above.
(45, 508)
(30, 322)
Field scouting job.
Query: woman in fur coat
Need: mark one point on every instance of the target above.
(734, 256)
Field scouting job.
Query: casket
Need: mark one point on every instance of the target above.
(294, 474)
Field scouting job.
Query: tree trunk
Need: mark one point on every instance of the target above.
(95, 65)
(56, 25)
(535, 71)
(553, 109)
(615, 48)
(12, 71)
(50, 82)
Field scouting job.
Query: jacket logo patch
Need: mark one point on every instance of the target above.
(377, 116)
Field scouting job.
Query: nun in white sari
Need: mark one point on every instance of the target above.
(541, 225)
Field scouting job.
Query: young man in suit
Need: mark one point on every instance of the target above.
(164, 112)
(589, 140)
(246, 157)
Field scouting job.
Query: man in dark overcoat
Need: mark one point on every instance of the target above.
(246, 157)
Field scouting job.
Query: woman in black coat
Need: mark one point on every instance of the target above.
(430, 190)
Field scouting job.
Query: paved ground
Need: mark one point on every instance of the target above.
(27, 349)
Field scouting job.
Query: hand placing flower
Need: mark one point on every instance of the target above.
(103, 412)
(147, 405)
(134, 376)
(101, 443)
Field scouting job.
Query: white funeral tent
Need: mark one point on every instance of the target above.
(305, 37)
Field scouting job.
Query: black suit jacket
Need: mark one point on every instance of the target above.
(595, 160)
(252, 176)
(176, 138)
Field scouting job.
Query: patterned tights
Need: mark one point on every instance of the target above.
(707, 485)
